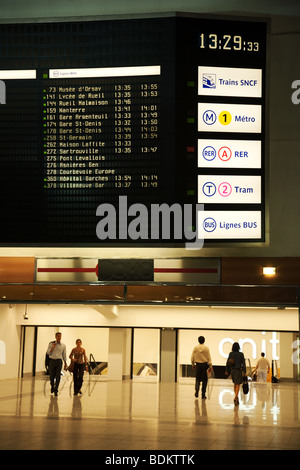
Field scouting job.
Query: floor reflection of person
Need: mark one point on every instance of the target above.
(78, 355)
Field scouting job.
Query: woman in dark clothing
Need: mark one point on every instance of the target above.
(236, 366)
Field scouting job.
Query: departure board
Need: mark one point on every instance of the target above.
(132, 132)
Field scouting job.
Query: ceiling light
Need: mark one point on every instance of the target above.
(269, 271)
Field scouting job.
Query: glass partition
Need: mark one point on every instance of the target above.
(146, 344)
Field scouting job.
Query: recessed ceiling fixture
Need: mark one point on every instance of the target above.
(269, 271)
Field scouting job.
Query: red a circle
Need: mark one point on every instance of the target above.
(224, 154)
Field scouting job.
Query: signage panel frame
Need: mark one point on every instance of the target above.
(229, 81)
(215, 53)
(196, 40)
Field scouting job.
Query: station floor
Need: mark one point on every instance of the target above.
(141, 415)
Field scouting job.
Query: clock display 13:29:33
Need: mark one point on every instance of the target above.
(227, 42)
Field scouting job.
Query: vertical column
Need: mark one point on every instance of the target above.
(168, 345)
(119, 354)
(298, 342)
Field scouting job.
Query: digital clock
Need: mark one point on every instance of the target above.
(227, 42)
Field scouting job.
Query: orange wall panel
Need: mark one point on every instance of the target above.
(17, 269)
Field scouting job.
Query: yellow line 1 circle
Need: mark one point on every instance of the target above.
(225, 118)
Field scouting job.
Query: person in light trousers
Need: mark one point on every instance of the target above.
(201, 361)
(262, 368)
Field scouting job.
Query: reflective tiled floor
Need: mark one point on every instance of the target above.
(150, 416)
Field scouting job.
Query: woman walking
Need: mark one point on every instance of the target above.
(236, 366)
(79, 358)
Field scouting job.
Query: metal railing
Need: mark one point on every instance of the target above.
(98, 367)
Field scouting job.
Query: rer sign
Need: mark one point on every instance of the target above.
(222, 153)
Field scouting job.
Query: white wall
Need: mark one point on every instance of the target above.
(217, 323)
(159, 316)
(214, 323)
(10, 338)
(146, 345)
(277, 346)
(28, 350)
(45, 335)
(286, 364)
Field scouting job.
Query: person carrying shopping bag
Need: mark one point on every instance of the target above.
(236, 367)
(78, 365)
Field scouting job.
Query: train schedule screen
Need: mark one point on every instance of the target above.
(97, 114)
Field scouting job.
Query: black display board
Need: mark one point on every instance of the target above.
(101, 127)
